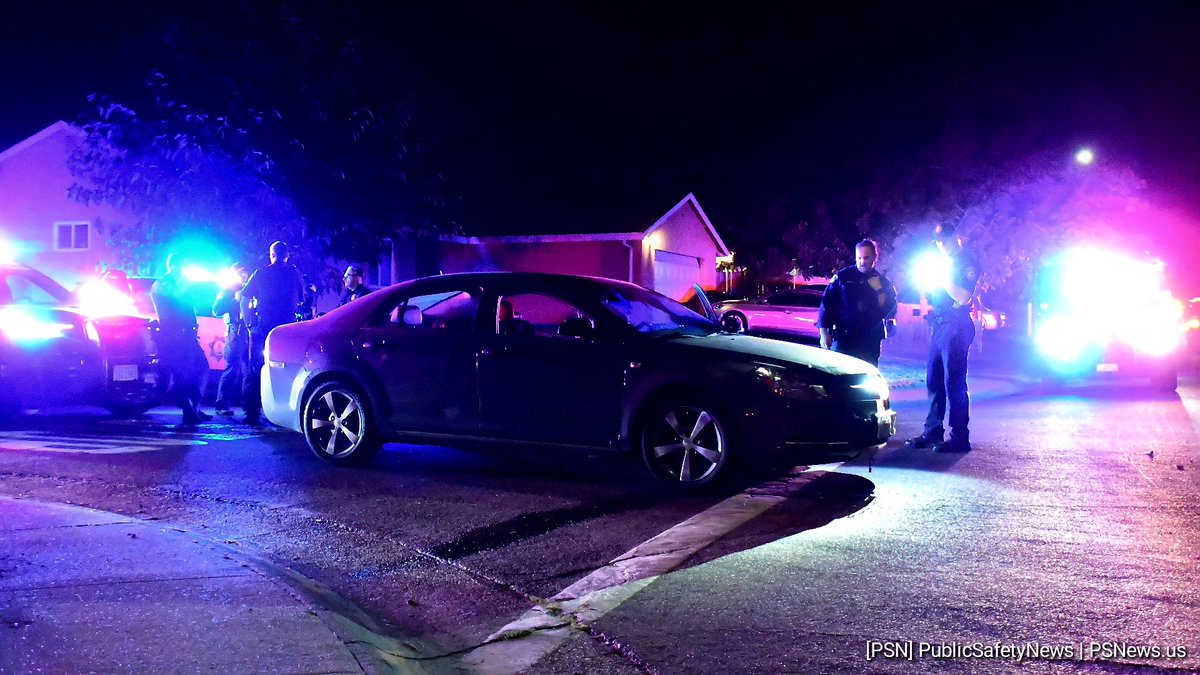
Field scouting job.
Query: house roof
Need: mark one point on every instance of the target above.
(607, 235)
(33, 140)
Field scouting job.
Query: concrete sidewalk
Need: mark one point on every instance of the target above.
(88, 591)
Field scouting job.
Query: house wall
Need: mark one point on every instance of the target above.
(34, 184)
(591, 258)
(684, 233)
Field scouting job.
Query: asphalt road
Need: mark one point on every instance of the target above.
(1074, 524)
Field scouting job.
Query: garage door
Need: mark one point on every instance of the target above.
(675, 273)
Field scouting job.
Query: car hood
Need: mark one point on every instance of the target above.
(783, 352)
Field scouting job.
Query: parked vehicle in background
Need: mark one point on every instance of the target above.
(55, 352)
(573, 362)
(791, 311)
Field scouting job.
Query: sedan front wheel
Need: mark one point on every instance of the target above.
(338, 425)
(686, 445)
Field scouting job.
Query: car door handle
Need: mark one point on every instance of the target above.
(373, 344)
(489, 351)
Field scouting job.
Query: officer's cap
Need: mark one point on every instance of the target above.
(353, 271)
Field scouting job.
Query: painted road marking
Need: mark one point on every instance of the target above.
(522, 643)
(44, 441)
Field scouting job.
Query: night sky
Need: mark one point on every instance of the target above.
(570, 115)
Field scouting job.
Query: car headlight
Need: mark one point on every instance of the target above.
(789, 384)
(92, 333)
(874, 385)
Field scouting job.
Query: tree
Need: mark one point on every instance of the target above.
(777, 245)
(276, 123)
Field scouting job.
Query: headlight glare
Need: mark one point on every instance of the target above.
(876, 386)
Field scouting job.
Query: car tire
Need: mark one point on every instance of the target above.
(1166, 381)
(338, 424)
(738, 320)
(687, 444)
(129, 409)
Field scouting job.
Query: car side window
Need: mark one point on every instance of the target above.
(448, 311)
(541, 315)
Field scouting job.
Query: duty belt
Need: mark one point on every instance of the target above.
(948, 316)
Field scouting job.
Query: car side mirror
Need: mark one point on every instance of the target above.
(730, 324)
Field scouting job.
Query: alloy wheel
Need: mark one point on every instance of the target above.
(685, 445)
(335, 423)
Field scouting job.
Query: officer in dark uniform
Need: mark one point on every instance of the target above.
(179, 352)
(856, 306)
(269, 299)
(354, 286)
(237, 342)
(953, 331)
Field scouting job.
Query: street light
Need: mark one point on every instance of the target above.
(1084, 156)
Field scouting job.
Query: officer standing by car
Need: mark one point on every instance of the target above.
(354, 286)
(952, 333)
(237, 341)
(856, 306)
(179, 349)
(269, 299)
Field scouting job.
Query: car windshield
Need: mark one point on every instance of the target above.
(27, 286)
(652, 314)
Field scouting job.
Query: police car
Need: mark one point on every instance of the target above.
(53, 351)
(1078, 333)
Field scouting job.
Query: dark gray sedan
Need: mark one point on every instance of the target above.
(562, 362)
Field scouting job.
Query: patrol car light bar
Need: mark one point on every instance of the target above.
(99, 299)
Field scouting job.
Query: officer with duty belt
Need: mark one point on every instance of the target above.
(857, 305)
(953, 331)
(182, 359)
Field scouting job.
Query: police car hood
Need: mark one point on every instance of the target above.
(784, 352)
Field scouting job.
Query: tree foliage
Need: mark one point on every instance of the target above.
(276, 123)
(777, 245)
(988, 165)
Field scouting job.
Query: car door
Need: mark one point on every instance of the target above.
(420, 349)
(551, 376)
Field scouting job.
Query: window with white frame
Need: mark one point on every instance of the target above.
(72, 236)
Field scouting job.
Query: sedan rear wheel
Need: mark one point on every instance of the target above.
(338, 425)
(686, 445)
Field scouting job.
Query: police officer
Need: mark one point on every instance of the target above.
(269, 299)
(179, 352)
(953, 331)
(857, 304)
(354, 286)
(237, 341)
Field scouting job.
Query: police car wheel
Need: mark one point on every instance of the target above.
(124, 409)
(338, 424)
(1167, 381)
